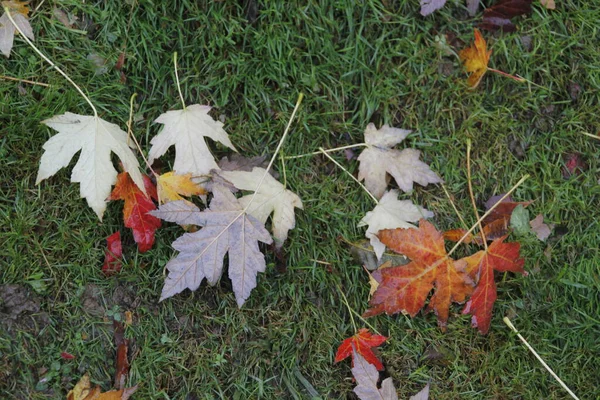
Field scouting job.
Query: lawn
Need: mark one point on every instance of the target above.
(355, 62)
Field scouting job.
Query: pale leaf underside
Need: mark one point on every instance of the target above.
(7, 31)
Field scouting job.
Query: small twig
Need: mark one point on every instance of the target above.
(462, 221)
(314, 153)
(10, 78)
(324, 152)
(472, 196)
(131, 135)
(177, 79)
(348, 307)
(590, 135)
(511, 326)
(516, 78)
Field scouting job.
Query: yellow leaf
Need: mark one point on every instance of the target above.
(475, 59)
(16, 6)
(83, 391)
(171, 187)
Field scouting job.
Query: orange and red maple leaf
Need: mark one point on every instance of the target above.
(363, 342)
(137, 206)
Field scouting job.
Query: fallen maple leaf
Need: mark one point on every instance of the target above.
(96, 138)
(499, 15)
(114, 252)
(171, 187)
(186, 129)
(500, 257)
(541, 230)
(429, 6)
(226, 228)
(405, 288)
(472, 6)
(379, 158)
(136, 209)
(475, 59)
(19, 10)
(83, 391)
(362, 343)
(503, 210)
(271, 197)
(391, 213)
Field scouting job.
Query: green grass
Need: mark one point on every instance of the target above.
(356, 62)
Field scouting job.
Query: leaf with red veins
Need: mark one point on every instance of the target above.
(405, 288)
(114, 252)
(363, 343)
(135, 211)
(500, 257)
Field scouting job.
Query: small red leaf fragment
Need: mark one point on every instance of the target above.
(363, 343)
(113, 255)
(66, 356)
(122, 350)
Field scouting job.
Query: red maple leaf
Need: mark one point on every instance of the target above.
(363, 341)
(501, 257)
(114, 252)
(135, 211)
(405, 288)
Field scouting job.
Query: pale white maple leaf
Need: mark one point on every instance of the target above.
(226, 229)
(391, 213)
(94, 170)
(271, 197)
(367, 376)
(7, 29)
(379, 159)
(186, 130)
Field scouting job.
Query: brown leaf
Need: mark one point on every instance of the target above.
(498, 16)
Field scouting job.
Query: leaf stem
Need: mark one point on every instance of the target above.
(348, 307)
(462, 221)
(130, 133)
(511, 326)
(324, 152)
(10, 78)
(328, 150)
(177, 79)
(472, 196)
(590, 135)
(50, 62)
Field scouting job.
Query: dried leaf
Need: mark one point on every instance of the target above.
(19, 11)
(122, 344)
(472, 6)
(226, 228)
(366, 376)
(475, 59)
(429, 6)
(186, 130)
(83, 391)
(549, 4)
(113, 255)
(361, 343)
(271, 198)
(237, 162)
(136, 209)
(500, 257)
(171, 187)
(391, 213)
(96, 138)
(519, 221)
(405, 288)
(364, 254)
(379, 158)
(499, 15)
(541, 230)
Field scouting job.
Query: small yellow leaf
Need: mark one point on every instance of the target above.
(81, 389)
(171, 187)
(17, 6)
(475, 59)
(128, 318)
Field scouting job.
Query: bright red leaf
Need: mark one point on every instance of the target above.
(500, 257)
(135, 211)
(66, 356)
(363, 343)
(114, 252)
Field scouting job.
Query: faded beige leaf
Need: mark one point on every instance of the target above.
(19, 11)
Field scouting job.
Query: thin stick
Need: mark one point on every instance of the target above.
(511, 326)
(177, 79)
(131, 135)
(321, 150)
(462, 221)
(472, 196)
(349, 308)
(590, 135)
(10, 78)
(518, 79)
(50, 62)
(452, 250)
(328, 150)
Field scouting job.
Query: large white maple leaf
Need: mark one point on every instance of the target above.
(226, 228)
(271, 197)
(18, 11)
(94, 171)
(379, 158)
(391, 213)
(186, 129)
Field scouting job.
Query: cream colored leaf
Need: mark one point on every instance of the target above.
(94, 170)
(391, 213)
(272, 198)
(186, 130)
(379, 159)
(18, 11)
(367, 376)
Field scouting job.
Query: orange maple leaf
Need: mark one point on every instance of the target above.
(501, 257)
(475, 59)
(171, 187)
(405, 288)
(363, 342)
(135, 211)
